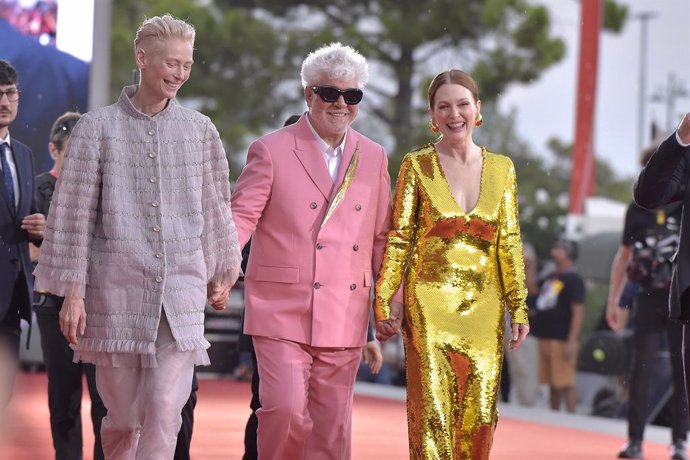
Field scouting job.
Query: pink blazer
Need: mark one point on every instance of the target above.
(304, 282)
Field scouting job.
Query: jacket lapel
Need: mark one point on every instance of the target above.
(6, 200)
(344, 186)
(23, 171)
(348, 151)
(5, 197)
(309, 154)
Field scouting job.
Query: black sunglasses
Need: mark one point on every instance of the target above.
(351, 96)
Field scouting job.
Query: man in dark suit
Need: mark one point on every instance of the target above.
(19, 224)
(59, 82)
(665, 180)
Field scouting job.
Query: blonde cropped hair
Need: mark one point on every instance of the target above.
(336, 61)
(163, 27)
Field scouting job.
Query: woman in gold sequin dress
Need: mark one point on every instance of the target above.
(456, 242)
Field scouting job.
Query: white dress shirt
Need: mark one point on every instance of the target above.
(331, 155)
(13, 167)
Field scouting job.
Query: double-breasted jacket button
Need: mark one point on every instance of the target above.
(355, 247)
(319, 246)
(155, 204)
(156, 228)
(313, 205)
(151, 132)
(152, 154)
(317, 285)
(358, 207)
(353, 286)
(153, 179)
(159, 255)
(159, 279)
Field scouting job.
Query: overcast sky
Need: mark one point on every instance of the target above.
(546, 107)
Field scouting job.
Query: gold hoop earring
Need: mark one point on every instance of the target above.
(433, 127)
(478, 122)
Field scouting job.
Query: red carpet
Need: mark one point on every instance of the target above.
(379, 429)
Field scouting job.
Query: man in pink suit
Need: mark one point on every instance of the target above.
(316, 198)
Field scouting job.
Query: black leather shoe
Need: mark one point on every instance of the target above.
(633, 449)
(678, 451)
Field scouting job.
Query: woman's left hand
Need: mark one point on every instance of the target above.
(519, 333)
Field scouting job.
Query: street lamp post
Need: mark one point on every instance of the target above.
(644, 18)
(667, 95)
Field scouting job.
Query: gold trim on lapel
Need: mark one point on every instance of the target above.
(347, 181)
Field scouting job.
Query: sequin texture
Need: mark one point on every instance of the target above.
(463, 269)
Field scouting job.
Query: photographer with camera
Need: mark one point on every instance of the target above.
(650, 238)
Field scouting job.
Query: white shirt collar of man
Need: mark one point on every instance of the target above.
(331, 155)
(6, 140)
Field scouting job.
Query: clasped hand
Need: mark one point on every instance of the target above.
(218, 292)
(386, 329)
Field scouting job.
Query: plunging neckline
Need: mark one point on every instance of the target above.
(450, 189)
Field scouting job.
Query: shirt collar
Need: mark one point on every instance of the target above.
(325, 148)
(6, 140)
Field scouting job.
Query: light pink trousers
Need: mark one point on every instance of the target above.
(306, 400)
(144, 404)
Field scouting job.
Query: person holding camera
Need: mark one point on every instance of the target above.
(650, 238)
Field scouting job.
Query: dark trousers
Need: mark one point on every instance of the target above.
(10, 333)
(10, 330)
(686, 360)
(250, 448)
(184, 437)
(65, 387)
(649, 323)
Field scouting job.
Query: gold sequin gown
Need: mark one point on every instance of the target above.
(463, 270)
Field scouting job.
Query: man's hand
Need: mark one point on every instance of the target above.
(569, 349)
(35, 225)
(372, 357)
(519, 334)
(388, 328)
(684, 129)
(217, 294)
(72, 318)
(613, 316)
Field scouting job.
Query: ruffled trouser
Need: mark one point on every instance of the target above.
(144, 404)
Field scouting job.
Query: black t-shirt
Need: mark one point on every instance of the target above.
(553, 312)
(44, 186)
(638, 220)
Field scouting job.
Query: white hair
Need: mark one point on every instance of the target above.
(164, 27)
(337, 61)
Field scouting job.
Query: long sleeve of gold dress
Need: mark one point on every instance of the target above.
(462, 270)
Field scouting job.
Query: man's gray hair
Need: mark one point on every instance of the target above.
(163, 27)
(336, 61)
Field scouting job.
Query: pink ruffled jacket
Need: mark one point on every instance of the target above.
(140, 219)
